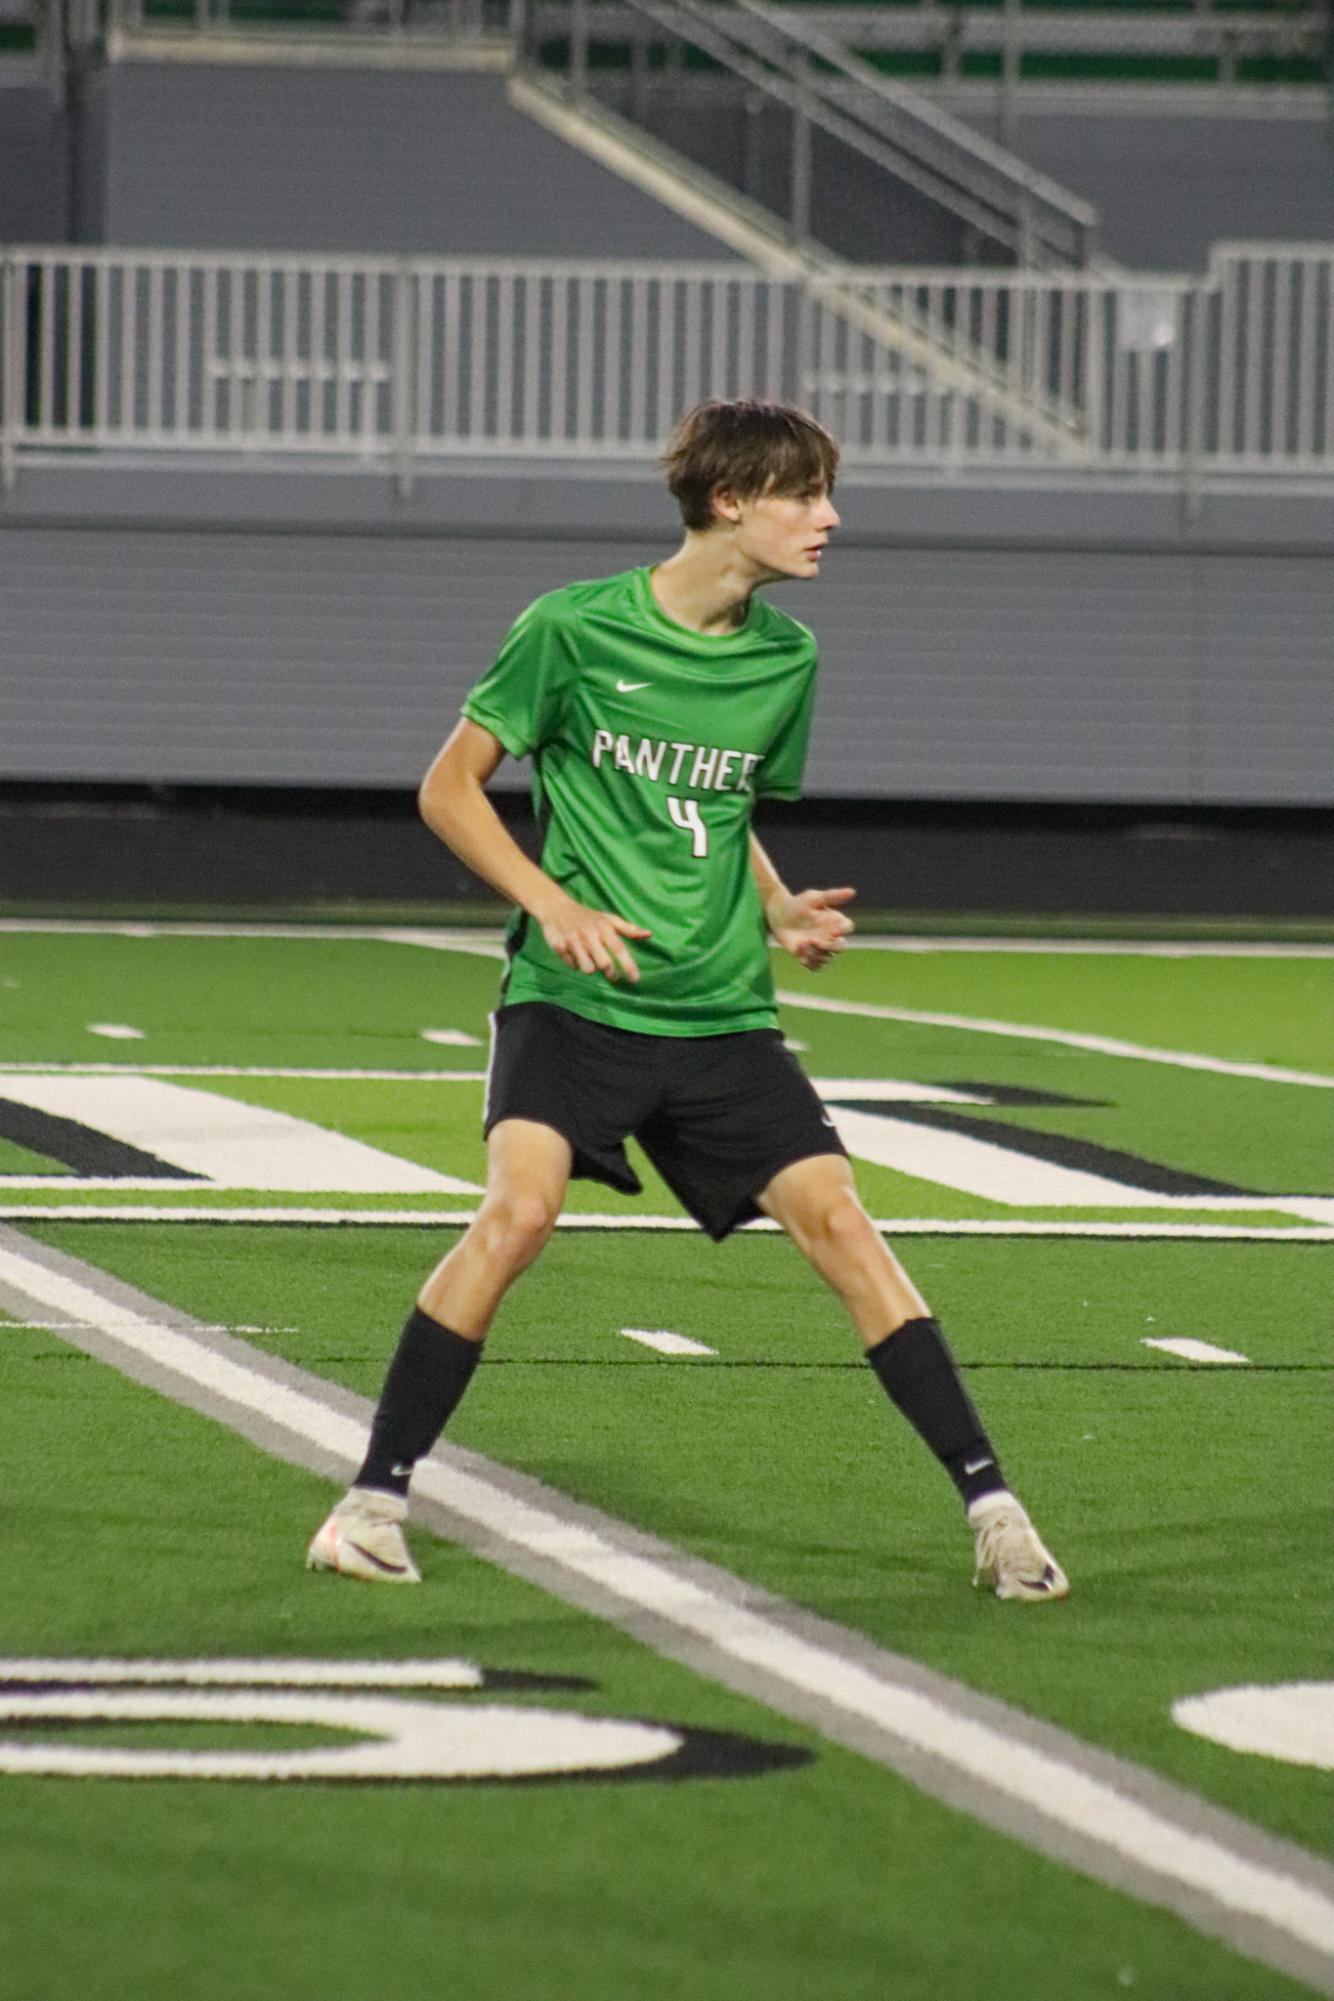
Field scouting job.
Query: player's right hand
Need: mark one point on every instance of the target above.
(592, 941)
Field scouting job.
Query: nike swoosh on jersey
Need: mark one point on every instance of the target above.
(629, 687)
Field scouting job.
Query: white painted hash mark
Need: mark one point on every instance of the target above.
(665, 1342)
(455, 1038)
(449, 1219)
(116, 1031)
(1048, 1787)
(1195, 1351)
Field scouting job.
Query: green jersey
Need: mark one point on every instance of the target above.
(650, 744)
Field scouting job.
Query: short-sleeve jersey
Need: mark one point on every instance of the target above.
(650, 743)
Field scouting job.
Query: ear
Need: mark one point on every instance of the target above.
(724, 504)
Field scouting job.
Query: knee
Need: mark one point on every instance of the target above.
(514, 1227)
(842, 1228)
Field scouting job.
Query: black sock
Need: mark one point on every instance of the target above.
(917, 1372)
(431, 1369)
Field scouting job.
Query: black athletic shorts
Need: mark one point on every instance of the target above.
(718, 1115)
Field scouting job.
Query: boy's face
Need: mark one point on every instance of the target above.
(783, 534)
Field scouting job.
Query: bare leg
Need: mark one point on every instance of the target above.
(441, 1341)
(817, 1203)
(527, 1175)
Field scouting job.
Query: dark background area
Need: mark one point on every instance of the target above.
(137, 846)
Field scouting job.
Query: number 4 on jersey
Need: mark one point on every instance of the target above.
(686, 814)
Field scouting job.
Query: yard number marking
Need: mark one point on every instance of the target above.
(396, 1738)
(1292, 1721)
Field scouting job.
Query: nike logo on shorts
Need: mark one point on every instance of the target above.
(629, 687)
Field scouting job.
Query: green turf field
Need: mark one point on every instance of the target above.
(1080, 1153)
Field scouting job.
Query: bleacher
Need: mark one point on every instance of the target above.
(1240, 46)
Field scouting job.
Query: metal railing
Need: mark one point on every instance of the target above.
(399, 364)
(66, 32)
(1224, 34)
(441, 19)
(999, 53)
(823, 86)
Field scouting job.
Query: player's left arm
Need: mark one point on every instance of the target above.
(811, 925)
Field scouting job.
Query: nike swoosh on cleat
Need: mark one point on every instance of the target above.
(394, 1569)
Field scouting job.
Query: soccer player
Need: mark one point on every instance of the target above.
(657, 706)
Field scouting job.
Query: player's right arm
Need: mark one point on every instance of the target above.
(454, 805)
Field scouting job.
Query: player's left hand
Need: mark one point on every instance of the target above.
(811, 926)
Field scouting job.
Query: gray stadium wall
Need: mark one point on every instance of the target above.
(34, 166)
(179, 627)
(1166, 187)
(368, 162)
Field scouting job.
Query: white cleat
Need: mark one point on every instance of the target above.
(1012, 1560)
(363, 1537)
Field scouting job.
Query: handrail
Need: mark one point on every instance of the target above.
(823, 85)
(914, 104)
(393, 364)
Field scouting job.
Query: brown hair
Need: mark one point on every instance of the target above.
(748, 447)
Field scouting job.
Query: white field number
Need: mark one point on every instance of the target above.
(392, 1736)
(686, 814)
(1292, 1721)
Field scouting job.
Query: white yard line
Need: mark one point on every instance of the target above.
(326, 1076)
(1194, 1351)
(488, 944)
(871, 1090)
(485, 941)
(478, 944)
(431, 1219)
(1100, 1045)
(1222, 1876)
(1113, 948)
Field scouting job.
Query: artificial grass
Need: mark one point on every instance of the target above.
(485, 915)
(1180, 1499)
(349, 1003)
(1257, 1010)
(149, 1531)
